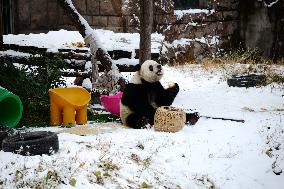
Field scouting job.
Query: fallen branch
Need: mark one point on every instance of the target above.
(98, 52)
(225, 119)
(193, 117)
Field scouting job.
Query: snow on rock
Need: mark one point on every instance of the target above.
(210, 41)
(88, 66)
(271, 3)
(87, 83)
(180, 13)
(62, 39)
(127, 41)
(126, 61)
(53, 40)
(14, 53)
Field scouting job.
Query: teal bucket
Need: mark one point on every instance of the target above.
(11, 108)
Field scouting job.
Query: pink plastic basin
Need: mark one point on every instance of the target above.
(111, 103)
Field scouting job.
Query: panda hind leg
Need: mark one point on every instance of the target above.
(137, 122)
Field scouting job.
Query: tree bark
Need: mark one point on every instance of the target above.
(91, 39)
(146, 24)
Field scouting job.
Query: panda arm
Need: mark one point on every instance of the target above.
(165, 97)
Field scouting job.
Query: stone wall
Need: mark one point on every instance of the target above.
(44, 15)
(262, 27)
(130, 9)
(116, 15)
(123, 16)
(222, 21)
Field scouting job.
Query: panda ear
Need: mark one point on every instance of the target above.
(137, 67)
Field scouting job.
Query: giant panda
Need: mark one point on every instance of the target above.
(144, 94)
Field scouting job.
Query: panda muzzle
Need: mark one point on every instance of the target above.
(159, 72)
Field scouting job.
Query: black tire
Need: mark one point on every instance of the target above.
(251, 80)
(31, 143)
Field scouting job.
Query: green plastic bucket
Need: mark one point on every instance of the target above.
(11, 108)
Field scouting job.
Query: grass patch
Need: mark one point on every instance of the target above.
(241, 62)
(31, 83)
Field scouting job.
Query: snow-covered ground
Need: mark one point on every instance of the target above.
(210, 154)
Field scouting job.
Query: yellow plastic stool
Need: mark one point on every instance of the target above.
(69, 105)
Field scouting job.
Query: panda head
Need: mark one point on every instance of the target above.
(150, 71)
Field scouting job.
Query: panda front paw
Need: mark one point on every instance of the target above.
(143, 123)
(174, 89)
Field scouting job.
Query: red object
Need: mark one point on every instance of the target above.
(111, 103)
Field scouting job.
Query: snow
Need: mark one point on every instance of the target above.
(127, 41)
(14, 53)
(270, 4)
(87, 83)
(183, 42)
(209, 40)
(126, 61)
(88, 66)
(53, 40)
(210, 154)
(62, 39)
(180, 13)
(110, 40)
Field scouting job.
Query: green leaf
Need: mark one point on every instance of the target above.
(97, 173)
(145, 185)
(73, 182)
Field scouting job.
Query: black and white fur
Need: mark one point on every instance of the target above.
(144, 94)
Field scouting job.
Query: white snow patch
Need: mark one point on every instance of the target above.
(88, 66)
(62, 39)
(53, 40)
(87, 83)
(270, 4)
(126, 61)
(14, 53)
(180, 13)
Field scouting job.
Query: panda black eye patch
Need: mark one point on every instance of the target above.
(151, 68)
(159, 66)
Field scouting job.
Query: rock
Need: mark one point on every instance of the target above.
(276, 169)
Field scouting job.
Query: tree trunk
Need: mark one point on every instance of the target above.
(91, 39)
(146, 24)
(1, 24)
